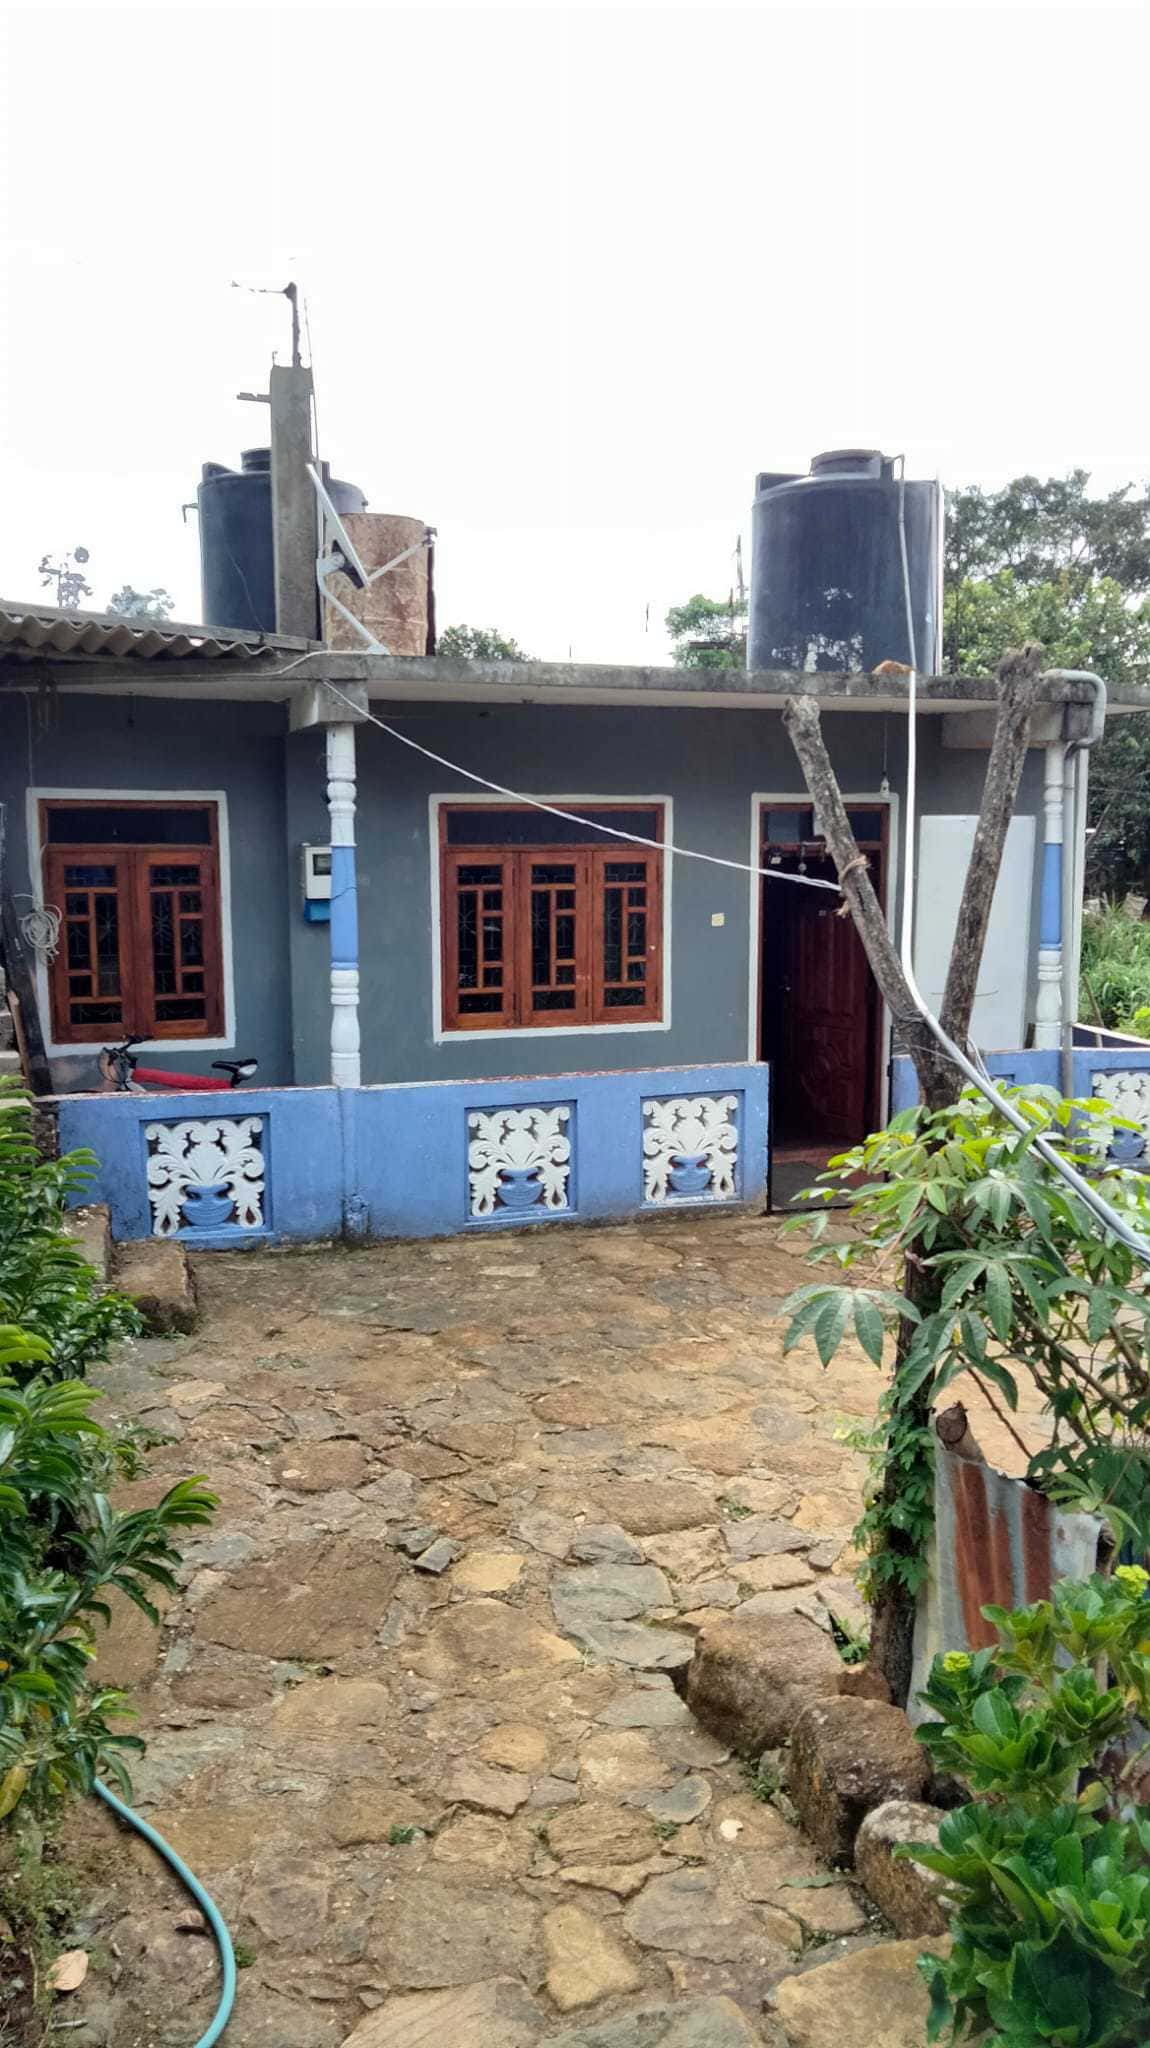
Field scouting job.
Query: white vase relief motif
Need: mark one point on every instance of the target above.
(1128, 1094)
(690, 1148)
(206, 1174)
(518, 1159)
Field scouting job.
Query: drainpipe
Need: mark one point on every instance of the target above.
(1074, 867)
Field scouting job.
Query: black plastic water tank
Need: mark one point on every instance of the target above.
(827, 586)
(237, 562)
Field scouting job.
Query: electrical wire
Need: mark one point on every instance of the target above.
(536, 803)
(975, 1068)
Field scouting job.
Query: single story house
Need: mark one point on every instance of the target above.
(534, 1014)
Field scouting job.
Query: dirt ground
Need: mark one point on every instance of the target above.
(399, 1781)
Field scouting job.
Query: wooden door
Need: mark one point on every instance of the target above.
(828, 1047)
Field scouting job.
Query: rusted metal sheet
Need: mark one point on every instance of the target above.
(996, 1543)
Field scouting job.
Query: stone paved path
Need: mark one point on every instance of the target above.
(404, 1784)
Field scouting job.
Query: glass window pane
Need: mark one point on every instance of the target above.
(612, 935)
(866, 825)
(94, 1013)
(107, 914)
(551, 871)
(636, 970)
(636, 931)
(788, 828)
(129, 825)
(89, 878)
(477, 825)
(193, 984)
(626, 871)
(79, 984)
(470, 1005)
(190, 900)
(540, 937)
(625, 998)
(79, 948)
(191, 943)
(493, 977)
(467, 938)
(476, 877)
(182, 1007)
(565, 974)
(166, 877)
(553, 999)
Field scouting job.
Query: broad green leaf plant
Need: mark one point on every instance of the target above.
(1011, 1277)
(1048, 1869)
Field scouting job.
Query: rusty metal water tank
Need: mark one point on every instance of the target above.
(827, 589)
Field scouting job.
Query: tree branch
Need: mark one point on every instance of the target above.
(936, 1077)
(1018, 678)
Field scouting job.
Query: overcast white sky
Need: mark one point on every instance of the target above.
(574, 274)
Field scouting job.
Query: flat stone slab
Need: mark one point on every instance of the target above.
(585, 1962)
(764, 1536)
(877, 1991)
(696, 2023)
(694, 1914)
(495, 2014)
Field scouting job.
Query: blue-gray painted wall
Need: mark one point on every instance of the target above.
(69, 740)
(709, 761)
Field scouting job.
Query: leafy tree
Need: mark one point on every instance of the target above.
(130, 603)
(1044, 561)
(479, 643)
(709, 632)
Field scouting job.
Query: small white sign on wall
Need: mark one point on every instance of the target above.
(944, 843)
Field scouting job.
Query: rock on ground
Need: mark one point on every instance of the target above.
(696, 2023)
(906, 1893)
(154, 1272)
(494, 2014)
(750, 1680)
(847, 1757)
(874, 1996)
(584, 1961)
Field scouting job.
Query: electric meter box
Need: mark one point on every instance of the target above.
(315, 870)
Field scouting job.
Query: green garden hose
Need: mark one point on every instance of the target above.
(207, 1906)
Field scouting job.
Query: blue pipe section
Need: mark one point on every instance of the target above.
(207, 1906)
(344, 908)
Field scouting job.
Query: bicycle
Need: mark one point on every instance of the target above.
(123, 1074)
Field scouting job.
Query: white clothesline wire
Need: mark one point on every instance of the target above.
(574, 817)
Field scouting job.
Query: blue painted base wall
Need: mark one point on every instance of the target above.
(1035, 1066)
(393, 1161)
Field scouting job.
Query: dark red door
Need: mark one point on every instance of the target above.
(821, 1011)
(827, 1047)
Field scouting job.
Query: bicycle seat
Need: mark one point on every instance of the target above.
(236, 1068)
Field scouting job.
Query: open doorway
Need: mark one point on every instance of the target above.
(820, 1010)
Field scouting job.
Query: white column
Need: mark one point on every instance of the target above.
(1048, 1007)
(345, 1064)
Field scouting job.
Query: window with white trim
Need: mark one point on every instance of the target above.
(546, 921)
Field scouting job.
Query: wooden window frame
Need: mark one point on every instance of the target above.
(590, 859)
(138, 999)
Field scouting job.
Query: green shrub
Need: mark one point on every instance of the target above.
(46, 1286)
(1116, 970)
(1014, 1278)
(1048, 1870)
(63, 1547)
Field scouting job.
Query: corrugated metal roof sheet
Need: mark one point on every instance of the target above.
(996, 1542)
(28, 632)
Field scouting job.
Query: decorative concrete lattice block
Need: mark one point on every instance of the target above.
(519, 1161)
(690, 1148)
(208, 1174)
(1128, 1094)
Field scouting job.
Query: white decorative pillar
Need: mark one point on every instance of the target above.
(1048, 1008)
(345, 1064)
